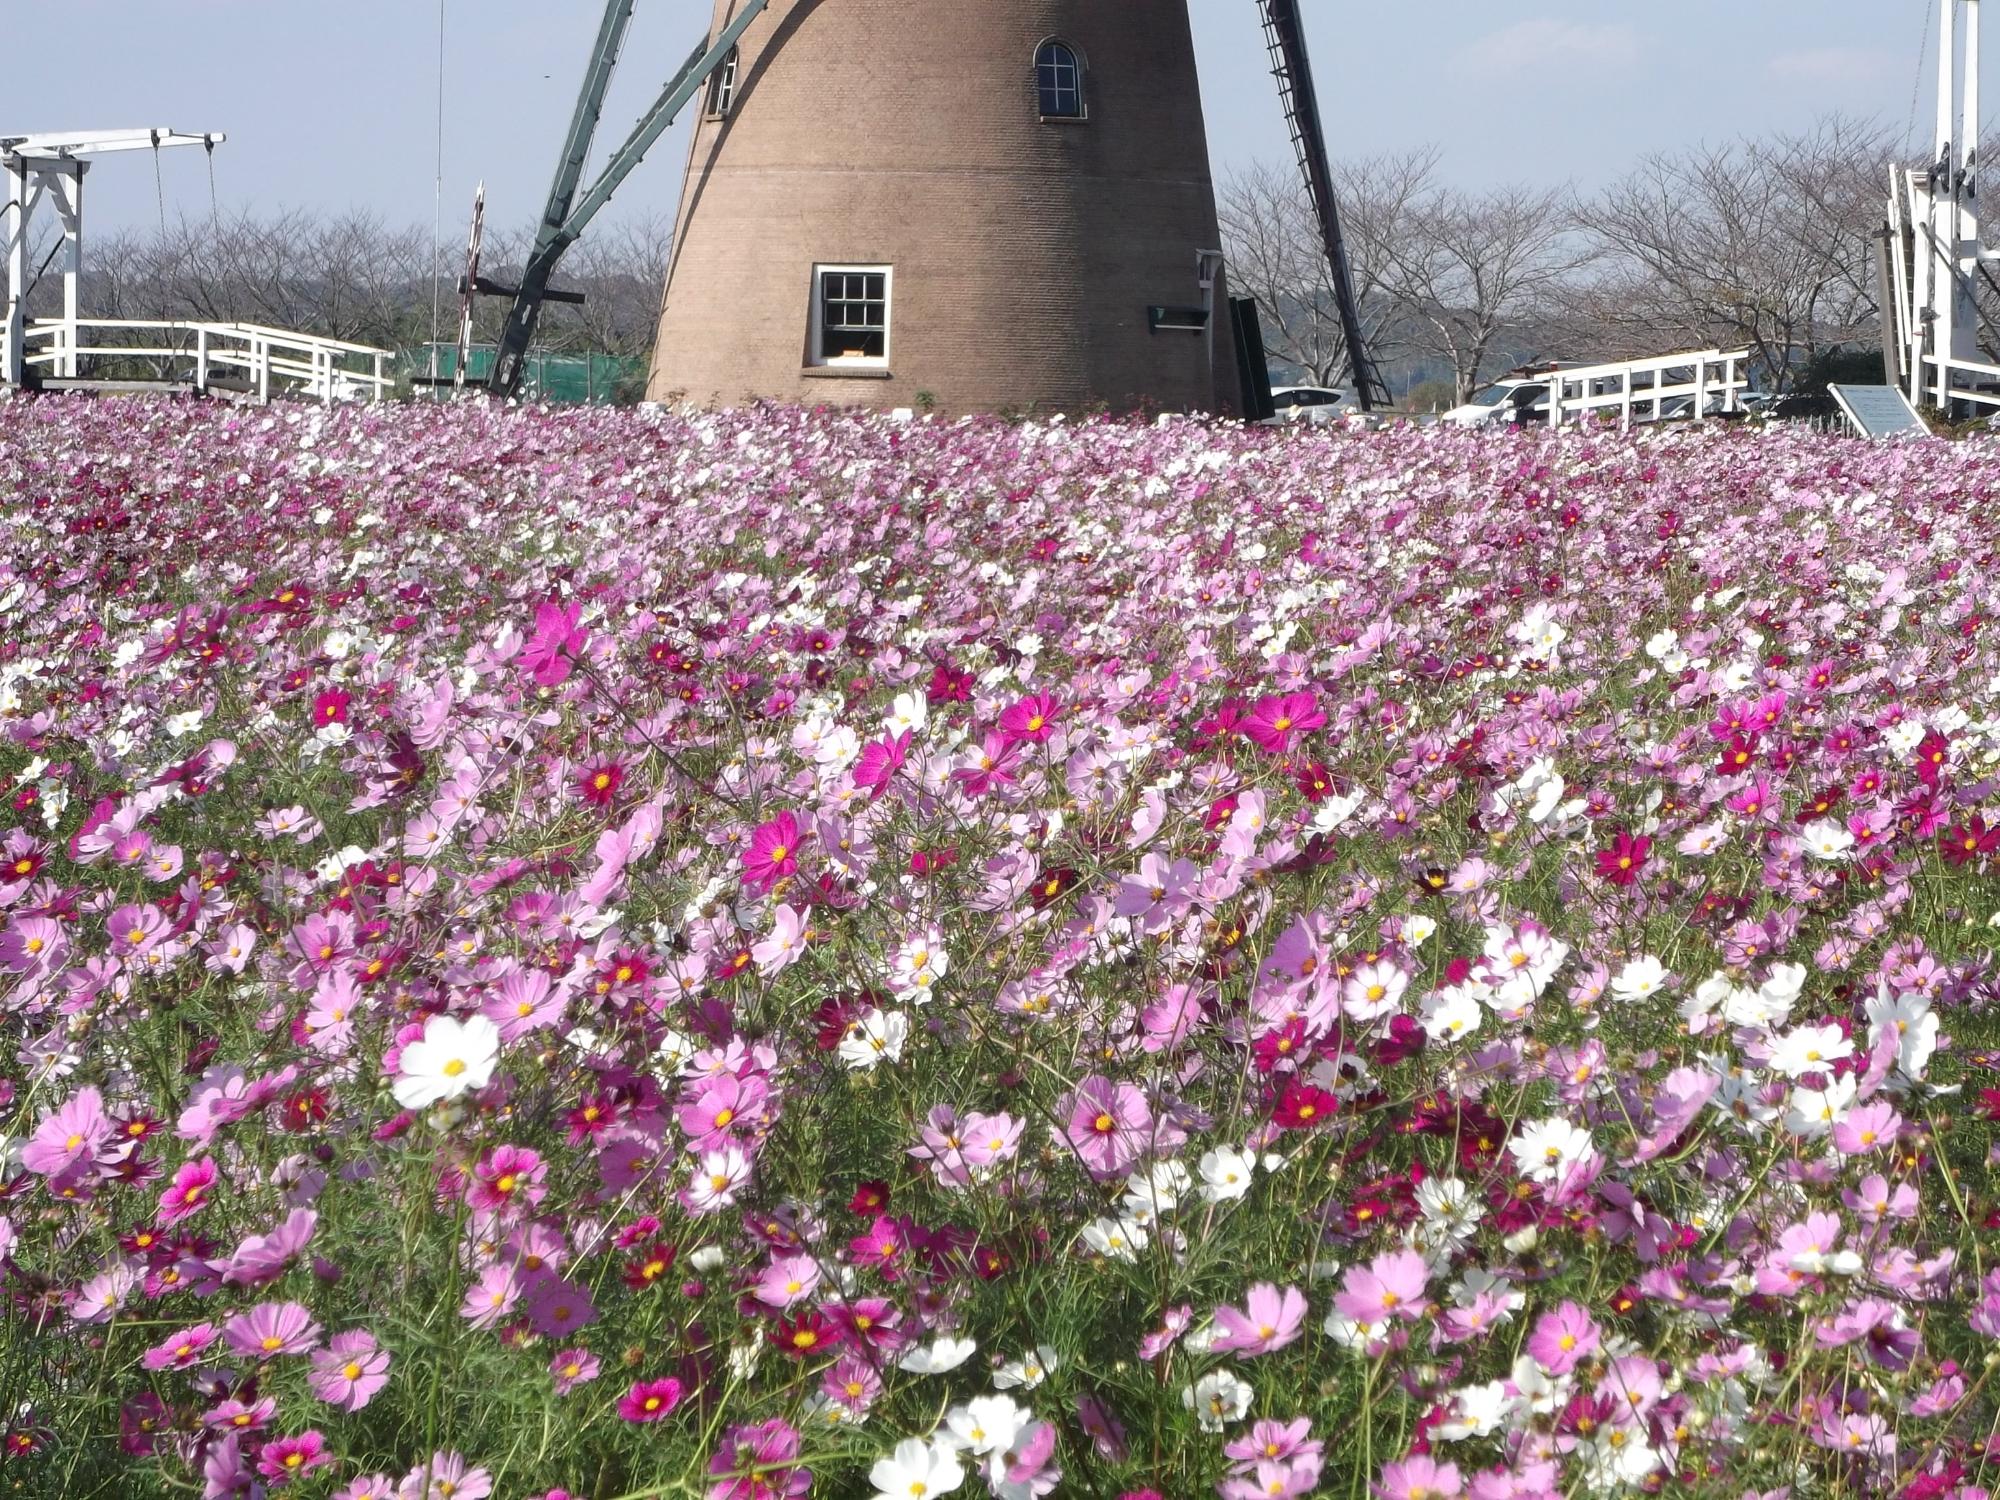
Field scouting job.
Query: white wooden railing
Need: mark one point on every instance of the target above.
(204, 356)
(1960, 380)
(1705, 377)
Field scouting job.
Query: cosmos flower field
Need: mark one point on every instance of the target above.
(617, 954)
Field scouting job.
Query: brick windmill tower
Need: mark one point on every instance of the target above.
(982, 203)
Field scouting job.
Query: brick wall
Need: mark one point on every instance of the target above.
(907, 133)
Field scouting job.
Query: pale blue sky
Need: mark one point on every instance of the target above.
(331, 103)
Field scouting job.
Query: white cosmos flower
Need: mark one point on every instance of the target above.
(1642, 976)
(1226, 1173)
(1450, 1014)
(1116, 1239)
(1909, 1016)
(1546, 1149)
(917, 1468)
(876, 1037)
(911, 711)
(1814, 1112)
(941, 1354)
(1810, 1049)
(1027, 1372)
(451, 1058)
(986, 1424)
(1217, 1400)
(1827, 840)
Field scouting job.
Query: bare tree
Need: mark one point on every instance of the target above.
(1472, 268)
(1764, 244)
(1276, 254)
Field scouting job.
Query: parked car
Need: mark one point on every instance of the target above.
(1516, 401)
(1310, 403)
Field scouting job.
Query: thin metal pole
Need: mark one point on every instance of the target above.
(437, 219)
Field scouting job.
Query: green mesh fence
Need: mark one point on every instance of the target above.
(568, 379)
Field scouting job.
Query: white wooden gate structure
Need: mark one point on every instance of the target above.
(245, 359)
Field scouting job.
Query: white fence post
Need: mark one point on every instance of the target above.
(201, 359)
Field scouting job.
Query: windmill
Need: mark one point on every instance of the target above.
(1026, 215)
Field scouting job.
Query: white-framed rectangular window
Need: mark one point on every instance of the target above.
(850, 316)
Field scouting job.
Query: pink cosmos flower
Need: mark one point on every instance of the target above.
(788, 1279)
(1270, 1442)
(1277, 723)
(1563, 1338)
(1270, 1319)
(188, 1193)
(1109, 1125)
(723, 1109)
(350, 1370)
(272, 1328)
(447, 1476)
(773, 852)
(505, 1178)
(754, 1463)
(552, 651)
(879, 762)
(263, 1258)
(180, 1350)
(1867, 1128)
(68, 1136)
(287, 1458)
(650, 1400)
(572, 1368)
(1419, 1477)
(1389, 1286)
(492, 1297)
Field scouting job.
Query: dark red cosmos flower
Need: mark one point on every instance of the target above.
(869, 1198)
(649, 1265)
(1621, 863)
(808, 1335)
(598, 782)
(1302, 1106)
(1964, 842)
(1738, 756)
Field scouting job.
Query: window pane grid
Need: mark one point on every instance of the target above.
(853, 314)
(1059, 79)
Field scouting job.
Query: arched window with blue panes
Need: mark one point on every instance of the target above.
(1059, 80)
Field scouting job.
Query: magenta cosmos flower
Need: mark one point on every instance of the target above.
(558, 641)
(287, 1458)
(1282, 720)
(1109, 1124)
(350, 1370)
(754, 1463)
(189, 1192)
(773, 853)
(1032, 718)
(506, 1176)
(650, 1400)
(179, 1350)
(1269, 1320)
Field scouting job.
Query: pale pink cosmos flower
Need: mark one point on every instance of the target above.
(572, 1368)
(1563, 1338)
(272, 1328)
(1109, 1125)
(350, 1370)
(788, 1279)
(1389, 1286)
(68, 1135)
(1270, 1319)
